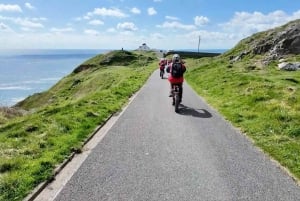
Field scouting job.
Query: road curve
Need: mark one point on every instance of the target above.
(152, 153)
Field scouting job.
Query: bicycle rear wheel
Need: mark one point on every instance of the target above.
(177, 101)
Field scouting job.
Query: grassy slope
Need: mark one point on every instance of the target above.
(64, 116)
(262, 101)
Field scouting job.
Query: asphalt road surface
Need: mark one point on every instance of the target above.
(152, 153)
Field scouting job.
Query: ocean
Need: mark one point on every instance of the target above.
(25, 72)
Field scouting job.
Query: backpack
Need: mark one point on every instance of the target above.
(176, 70)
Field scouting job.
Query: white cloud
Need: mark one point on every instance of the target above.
(185, 35)
(96, 22)
(247, 23)
(39, 19)
(91, 32)
(157, 36)
(127, 26)
(296, 15)
(27, 29)
(111, 30)
(74, 40)
(26, 22)
(157, 0)
(29, 6)
(200, 20)
(135, 10)
(151, 11)
(10, 8)
(114, 12)
(61, 30)
(212, 40)
(4, 28)
(87, 17)
(171, 18)
(176, 25)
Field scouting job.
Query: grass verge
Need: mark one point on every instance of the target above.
(62, 118)
(263, 102)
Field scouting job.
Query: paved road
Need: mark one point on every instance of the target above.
(152, 154)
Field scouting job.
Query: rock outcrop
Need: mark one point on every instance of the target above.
(273, 44)
(289, 66)
(280, 42)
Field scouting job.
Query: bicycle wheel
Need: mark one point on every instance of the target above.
(177, 101)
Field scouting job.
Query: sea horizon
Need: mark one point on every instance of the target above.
(60, 51)
(25, 72)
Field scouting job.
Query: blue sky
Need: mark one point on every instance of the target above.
(115, 24)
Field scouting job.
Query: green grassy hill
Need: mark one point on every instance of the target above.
(46, 128)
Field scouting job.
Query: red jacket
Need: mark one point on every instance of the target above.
(175, 80)
(162, 64)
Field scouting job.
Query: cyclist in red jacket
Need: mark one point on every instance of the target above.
(176, 70)
(162, 64)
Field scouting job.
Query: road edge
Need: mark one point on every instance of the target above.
(96, 136)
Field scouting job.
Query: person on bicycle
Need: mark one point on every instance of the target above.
(176, 69)
(162, 64)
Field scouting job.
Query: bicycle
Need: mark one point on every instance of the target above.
(176, 96)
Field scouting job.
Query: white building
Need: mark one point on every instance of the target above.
(144, 47)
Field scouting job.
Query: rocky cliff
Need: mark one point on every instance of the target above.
(273, 44)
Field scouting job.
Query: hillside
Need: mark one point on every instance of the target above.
(88, 78)
(278, 43)
(56, 123)
(244, 84)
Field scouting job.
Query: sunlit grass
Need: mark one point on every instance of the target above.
(263, 102)
(61, 119)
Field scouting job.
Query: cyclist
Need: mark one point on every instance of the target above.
(162, 64)
(176, 69)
